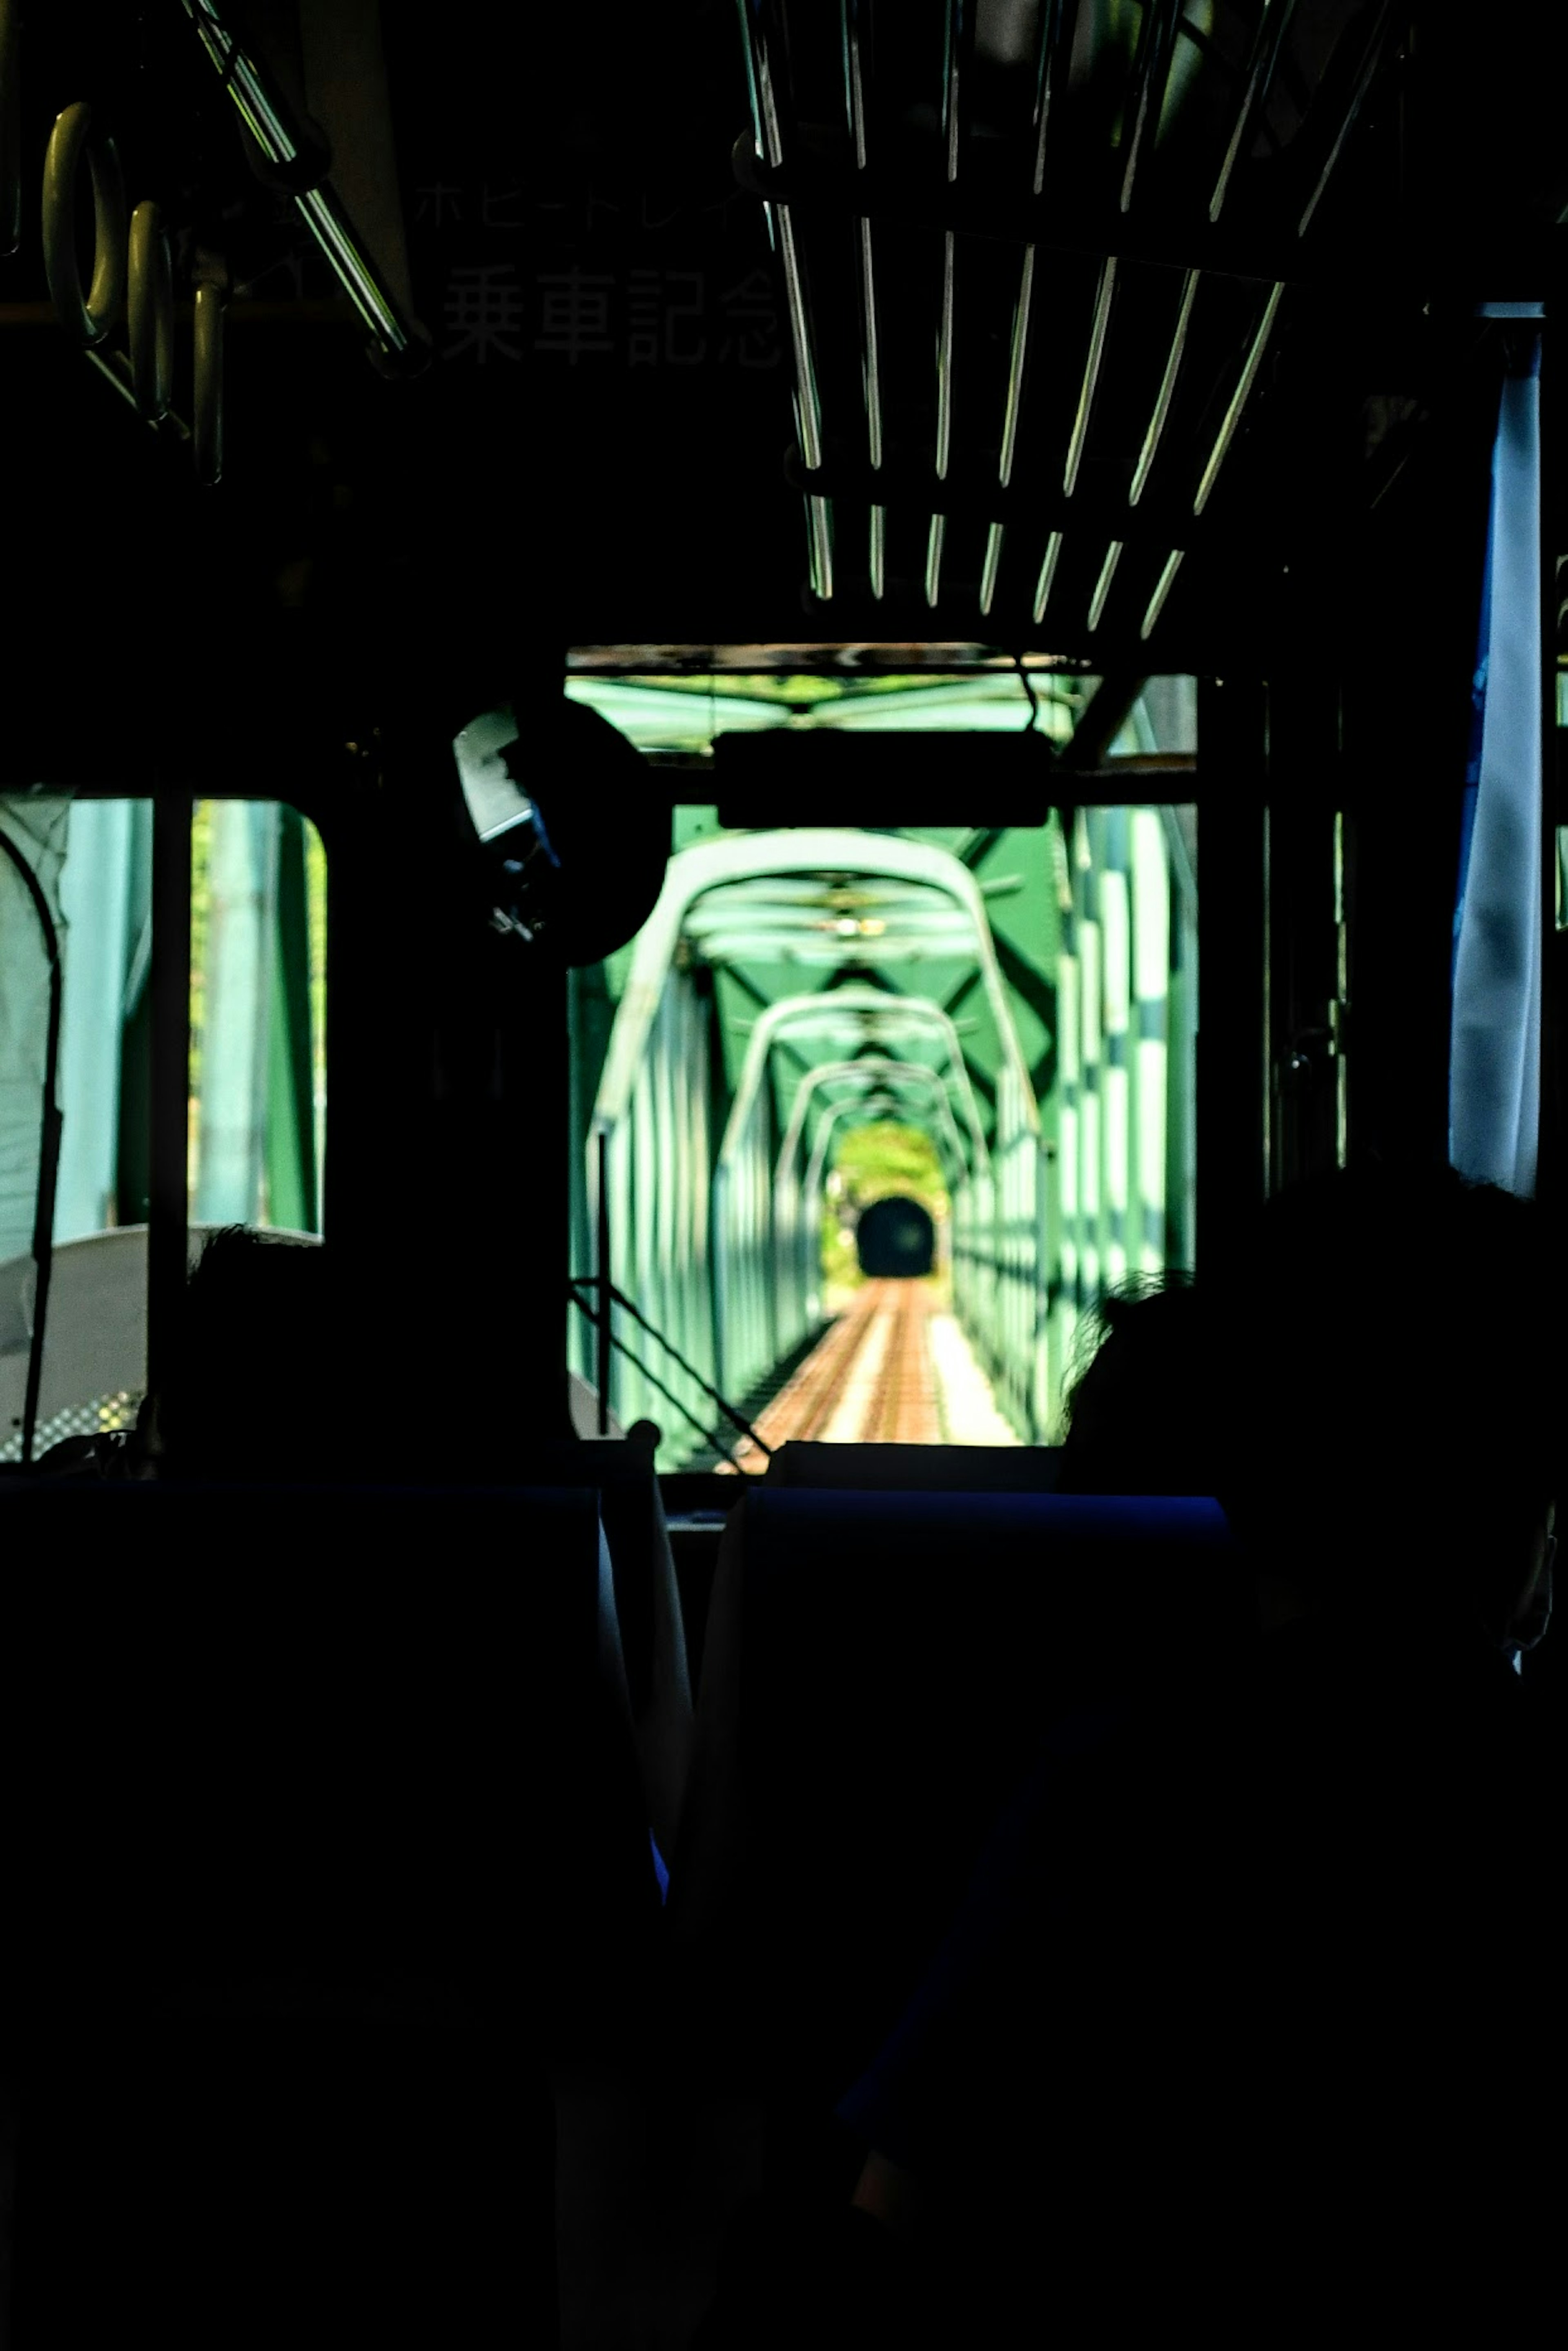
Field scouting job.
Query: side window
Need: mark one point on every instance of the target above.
(76, 881)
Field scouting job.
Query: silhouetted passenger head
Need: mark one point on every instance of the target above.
(1386, 1405)
(1138, 1413)
(257, 1390)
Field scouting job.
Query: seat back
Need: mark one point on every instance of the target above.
(327, 1857)
(904, 1659)
(647, 1606)
(917, 1469)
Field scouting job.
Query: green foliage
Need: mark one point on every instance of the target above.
(880, 1160)
(875, 1162)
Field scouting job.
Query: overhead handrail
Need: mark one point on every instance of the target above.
(150, 313)
(132, 271)
(1019, 353)
(86, 321)
(10, 127)
(50, 1153)
(1151, 75)
(871, 371)
(289, 156)
(958, 31)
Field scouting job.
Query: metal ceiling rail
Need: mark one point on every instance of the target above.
(972, 494)
(1017, 354)
(1223, 439)
(1266, 41)
(956, 22)
(1238, 400)
(1167, 392)
(1156, 47)
(768, 150)
(1099, 329)
(901, 179)
(871, 376)
(984, 204)
(958, 28)
(1057, 32)
(1103, 585)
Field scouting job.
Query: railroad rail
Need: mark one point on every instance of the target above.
(871, 1380)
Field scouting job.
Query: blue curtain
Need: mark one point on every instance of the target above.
(1494, 1061)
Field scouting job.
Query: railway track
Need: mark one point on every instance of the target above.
(902, 1409)
(870, 1382)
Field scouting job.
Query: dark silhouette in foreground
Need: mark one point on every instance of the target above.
(1238, 2018)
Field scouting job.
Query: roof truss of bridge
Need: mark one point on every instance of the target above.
(877, 1088)
(673, 718)
(811, 903)
(875, 1047)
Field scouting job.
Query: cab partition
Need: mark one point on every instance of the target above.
(329, 1887)
(882, 1672)
(917, 1469)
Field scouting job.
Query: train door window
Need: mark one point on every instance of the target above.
(76, 880)
(986, 1036)
(258, 1001)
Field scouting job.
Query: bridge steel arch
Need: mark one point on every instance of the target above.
(777, 1276)
(763, 1263)
(789, 898)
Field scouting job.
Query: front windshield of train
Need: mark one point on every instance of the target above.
(866, 1117)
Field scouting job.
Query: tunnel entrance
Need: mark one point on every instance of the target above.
(883, 1198)
(896, 1240)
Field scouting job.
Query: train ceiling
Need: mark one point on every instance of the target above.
(1142, 337)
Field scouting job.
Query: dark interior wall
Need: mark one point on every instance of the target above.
(1412, 612)
(383, 555)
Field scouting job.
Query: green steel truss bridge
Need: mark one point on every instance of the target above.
(1026, 999)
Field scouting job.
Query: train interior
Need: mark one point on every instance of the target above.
(631, 632)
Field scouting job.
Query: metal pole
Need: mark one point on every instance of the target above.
(601, 1257)
(167, 1206)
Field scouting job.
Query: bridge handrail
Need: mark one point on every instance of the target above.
(594, 1282)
